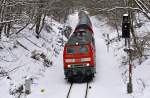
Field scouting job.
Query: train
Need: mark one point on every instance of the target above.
(79, 52)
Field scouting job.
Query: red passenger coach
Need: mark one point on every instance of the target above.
(79, 52)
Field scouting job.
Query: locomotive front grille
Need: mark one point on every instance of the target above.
(79, 65)
(78, 69)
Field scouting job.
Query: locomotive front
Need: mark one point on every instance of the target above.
(79, 53)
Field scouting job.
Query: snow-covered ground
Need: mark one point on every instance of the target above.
(16, 62)
(49, 82)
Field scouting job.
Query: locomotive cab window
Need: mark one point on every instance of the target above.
(80, 33)
(83, 49)
(70, 50)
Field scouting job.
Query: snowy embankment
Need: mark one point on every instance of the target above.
(141, 72)
(24, 56)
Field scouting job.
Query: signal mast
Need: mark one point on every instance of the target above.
(126, 26)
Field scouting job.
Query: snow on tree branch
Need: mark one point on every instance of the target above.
(9, 21)
(117, 7)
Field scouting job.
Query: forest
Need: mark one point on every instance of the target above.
(16, 15)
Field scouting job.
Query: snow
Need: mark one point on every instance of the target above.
(17, 62)
(108, 82)
(50, 83)
(144, 25)
(73, 20)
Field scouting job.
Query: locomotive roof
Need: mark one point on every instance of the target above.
(82, 26)
(80, 38)
(84, 19)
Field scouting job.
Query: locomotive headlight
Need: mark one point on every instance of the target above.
(88, 64)
(85, 59)
(77, 43)
(69, 66)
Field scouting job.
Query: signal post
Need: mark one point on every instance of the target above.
(126, 26)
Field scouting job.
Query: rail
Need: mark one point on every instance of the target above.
(70, 90)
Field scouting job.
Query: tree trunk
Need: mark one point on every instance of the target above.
(8, 29)
(38, 22)
(42, 22)
(135, 40)
(1, 29)
(1, 17)
(38, 18)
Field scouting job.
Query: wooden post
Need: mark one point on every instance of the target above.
(2, 16)
(108, 42)
(28, 83)
(129, 85)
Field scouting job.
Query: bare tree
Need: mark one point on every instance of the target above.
(1, 16)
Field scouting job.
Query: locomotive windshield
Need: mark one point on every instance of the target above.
(70, 50)
(77, 50)
(83, 49)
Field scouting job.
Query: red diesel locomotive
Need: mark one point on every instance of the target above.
(79, 52)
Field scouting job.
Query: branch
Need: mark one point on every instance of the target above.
(9, 21)
(21, 29)
(140, 3)
(23, 46)
(117, 7)
(32, 42)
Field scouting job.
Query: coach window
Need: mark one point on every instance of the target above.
(70, 50)
(83, 49)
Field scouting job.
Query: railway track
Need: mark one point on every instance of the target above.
(69, 90)
(85, 92)
(87, 88)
